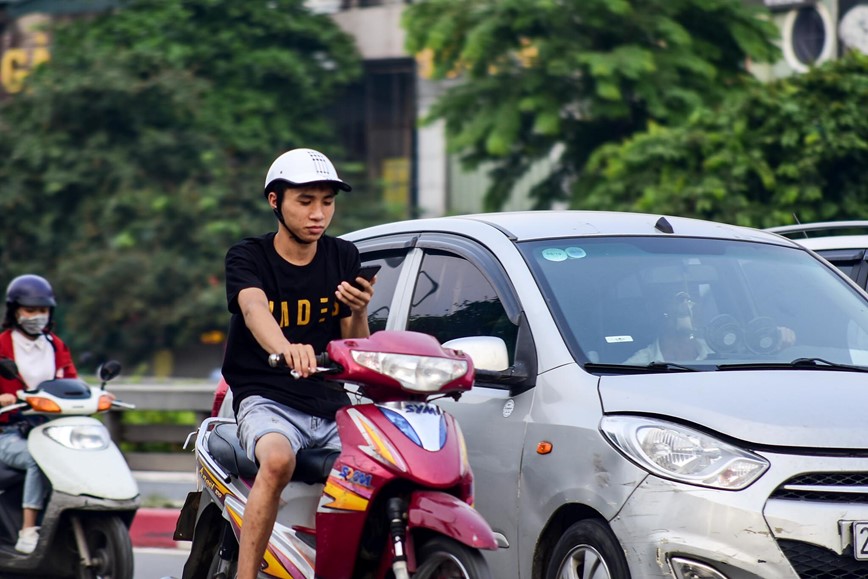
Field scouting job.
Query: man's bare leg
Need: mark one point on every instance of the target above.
(276, 463)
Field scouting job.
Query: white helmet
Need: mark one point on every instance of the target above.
(303, 166)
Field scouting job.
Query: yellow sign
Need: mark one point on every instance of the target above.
(212, 337)
(396, 180)
(16, 63)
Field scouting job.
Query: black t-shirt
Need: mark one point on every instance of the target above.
(302, 299)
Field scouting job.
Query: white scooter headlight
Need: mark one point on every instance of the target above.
(80, 437)
(415, 373)
(683, 454)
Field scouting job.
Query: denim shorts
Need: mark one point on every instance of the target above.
(14, 453)
(258, 416)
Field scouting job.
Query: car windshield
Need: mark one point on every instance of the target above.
(698, 303)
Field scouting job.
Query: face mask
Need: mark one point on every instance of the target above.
(33, 326)
(684, 324)
(682, 314)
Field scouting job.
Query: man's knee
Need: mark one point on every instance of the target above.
(276, 458)
(276, 465)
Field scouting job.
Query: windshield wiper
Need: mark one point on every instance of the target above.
(798, 363)
(670, 366)
(653, 367)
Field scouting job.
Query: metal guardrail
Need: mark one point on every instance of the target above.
(165, 397)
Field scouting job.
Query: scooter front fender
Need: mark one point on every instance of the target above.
(99, 472)
(451, 517)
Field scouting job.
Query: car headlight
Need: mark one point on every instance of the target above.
(81, 437)
(683, 454)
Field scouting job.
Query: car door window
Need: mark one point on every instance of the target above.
(453, 299)
(384, 290)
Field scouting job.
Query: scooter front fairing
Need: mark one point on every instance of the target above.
(71, 450)
(393, 449)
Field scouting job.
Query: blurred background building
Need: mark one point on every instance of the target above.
(815, 31)
(378, 119)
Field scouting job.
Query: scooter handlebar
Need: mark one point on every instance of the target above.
(323, 363)
(11, 407)
(276, 360)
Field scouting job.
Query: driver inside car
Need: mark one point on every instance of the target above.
(679, 336)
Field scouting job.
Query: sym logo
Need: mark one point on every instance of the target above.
(422, 409)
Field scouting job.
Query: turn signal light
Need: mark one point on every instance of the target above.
(43, 404)
(105, 402)
(544, 447)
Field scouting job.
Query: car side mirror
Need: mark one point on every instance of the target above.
(491, 361)
(487, 352)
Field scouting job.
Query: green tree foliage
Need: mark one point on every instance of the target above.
(577, 73)
(795, 146)
(136, 156)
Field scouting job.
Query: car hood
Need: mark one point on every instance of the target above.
(787, 408)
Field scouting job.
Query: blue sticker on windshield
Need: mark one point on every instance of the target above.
(575, 252)
(554, 254)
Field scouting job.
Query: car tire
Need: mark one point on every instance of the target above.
(588, 549)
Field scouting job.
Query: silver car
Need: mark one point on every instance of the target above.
(655, 396)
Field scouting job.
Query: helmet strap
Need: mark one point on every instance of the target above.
(279, 215)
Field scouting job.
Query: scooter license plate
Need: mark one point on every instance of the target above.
(860, 540)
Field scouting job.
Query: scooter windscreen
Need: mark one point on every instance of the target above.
(66, 388)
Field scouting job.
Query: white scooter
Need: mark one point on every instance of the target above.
(84, 530)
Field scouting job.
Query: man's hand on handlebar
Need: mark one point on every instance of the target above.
(322, 364)
(301, 358)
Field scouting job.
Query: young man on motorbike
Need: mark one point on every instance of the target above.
(290, 293)
(40, 355)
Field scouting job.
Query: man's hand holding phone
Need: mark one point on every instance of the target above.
(367, 273)
(358, 293)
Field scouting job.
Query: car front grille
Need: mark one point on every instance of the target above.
(812, 561)
(826, 487)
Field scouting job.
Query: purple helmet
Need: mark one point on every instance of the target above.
(30, 290)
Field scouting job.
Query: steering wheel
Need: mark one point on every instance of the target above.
(761, 335)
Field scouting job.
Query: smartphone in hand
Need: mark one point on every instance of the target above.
(367, 272)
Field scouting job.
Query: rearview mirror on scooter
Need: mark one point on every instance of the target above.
(8, 368)
(108, 371)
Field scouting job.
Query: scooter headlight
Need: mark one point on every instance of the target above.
(415, 373)
(80, 437)
(683, 454)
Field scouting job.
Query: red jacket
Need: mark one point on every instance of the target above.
(64, 368)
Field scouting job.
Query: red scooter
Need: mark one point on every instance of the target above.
(395, 502)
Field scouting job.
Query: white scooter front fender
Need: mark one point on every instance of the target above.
(79, 457)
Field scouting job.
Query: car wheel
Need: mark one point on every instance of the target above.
(588, 550)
